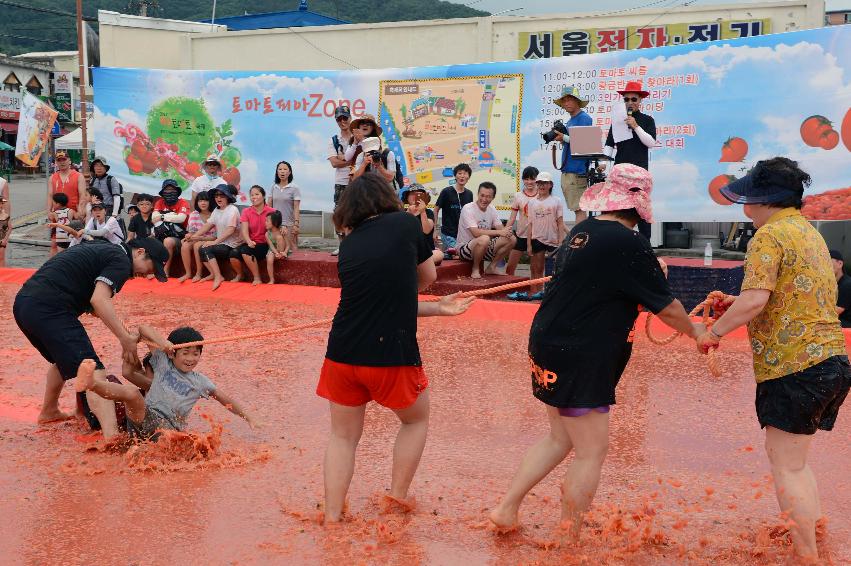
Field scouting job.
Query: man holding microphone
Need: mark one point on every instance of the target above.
(636, 149)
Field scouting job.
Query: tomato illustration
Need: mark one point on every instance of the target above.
(733, 150)
(232, 176)
(846, 130)
(715, 186)
(193, 169)
(138, 148)
(813, 128)
(150, 161)
(829, 139)
(134, 164)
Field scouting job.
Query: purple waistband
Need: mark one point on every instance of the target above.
(580, 411)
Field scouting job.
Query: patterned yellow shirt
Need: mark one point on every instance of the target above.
(798, 327)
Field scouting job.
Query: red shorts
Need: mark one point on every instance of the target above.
(395, 387)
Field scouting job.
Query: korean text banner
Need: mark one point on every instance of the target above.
(34, 126)
(719, 107)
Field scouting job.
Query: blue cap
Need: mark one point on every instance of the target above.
(170, 183)
(761, 186)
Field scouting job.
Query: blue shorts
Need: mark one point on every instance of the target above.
(448, 241)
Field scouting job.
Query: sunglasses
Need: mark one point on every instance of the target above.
(341, 118)
(631, 99)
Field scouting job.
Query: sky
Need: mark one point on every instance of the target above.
(532, 7)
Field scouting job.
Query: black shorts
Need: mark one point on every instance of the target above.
(63, 245)
(56, 333)
(573, 377)
(804, 401)
(219, 251)
(520, 244)
(258, 252)
(538, 247)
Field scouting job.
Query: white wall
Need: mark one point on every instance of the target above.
(133, 41)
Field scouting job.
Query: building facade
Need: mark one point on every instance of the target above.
(134, 41)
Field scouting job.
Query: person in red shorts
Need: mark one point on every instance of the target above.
(372, 350)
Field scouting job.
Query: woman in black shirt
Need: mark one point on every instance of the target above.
(581, 339)
(372, 347)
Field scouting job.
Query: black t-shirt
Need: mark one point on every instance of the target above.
(633, 150)
(603, 272)
(68, 279)
(451, 203)
(844, 300)
(429, 238)
(141, 227)
(376, 320)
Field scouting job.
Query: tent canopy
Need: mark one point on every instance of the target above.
(74, 140)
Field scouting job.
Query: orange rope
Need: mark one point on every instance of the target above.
(286, 329)
(497, 289)
(706, 319)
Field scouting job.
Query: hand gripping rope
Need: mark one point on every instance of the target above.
(705, 306)
(708, 320)
(285, 329)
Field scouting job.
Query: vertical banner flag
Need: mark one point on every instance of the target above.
(34, 126)
(719, 107)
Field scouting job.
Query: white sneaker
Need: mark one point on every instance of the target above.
(336, 252)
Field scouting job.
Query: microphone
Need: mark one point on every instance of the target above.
(629, 112)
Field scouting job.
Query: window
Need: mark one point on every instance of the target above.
(12, 83)
(34, 85)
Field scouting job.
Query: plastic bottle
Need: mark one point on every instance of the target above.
(707, 254)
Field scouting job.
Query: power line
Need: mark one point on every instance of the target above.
(34, 39)
(45, 10)
(294, 32)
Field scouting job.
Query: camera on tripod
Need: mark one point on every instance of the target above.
(558, 128)
(595, 175)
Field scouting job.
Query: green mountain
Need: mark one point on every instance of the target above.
(23, 30)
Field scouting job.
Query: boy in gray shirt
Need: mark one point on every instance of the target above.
(171, 383)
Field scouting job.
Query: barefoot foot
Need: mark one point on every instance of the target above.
(504, 521)
(217, 283)
(85, 376)
(390, 504)
(257, 282)
(183, 278)
(206, 278)
(475, 275)
(236, 279)
(54, 416)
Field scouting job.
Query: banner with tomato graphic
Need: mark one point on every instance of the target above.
(719, 107)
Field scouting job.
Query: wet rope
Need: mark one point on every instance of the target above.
(706, 319)
(286, 329)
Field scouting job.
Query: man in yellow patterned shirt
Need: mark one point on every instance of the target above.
(800, 363)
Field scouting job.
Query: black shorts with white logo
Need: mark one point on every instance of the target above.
(572, 377)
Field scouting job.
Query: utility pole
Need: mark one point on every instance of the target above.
(83, 78)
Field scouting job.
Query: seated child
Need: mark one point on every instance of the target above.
(172, 384)
(279, 246)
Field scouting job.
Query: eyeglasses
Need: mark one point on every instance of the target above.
(631, 99)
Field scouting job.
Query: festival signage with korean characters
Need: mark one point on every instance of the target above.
(719, 106)
(10, 105)
(563, 43)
